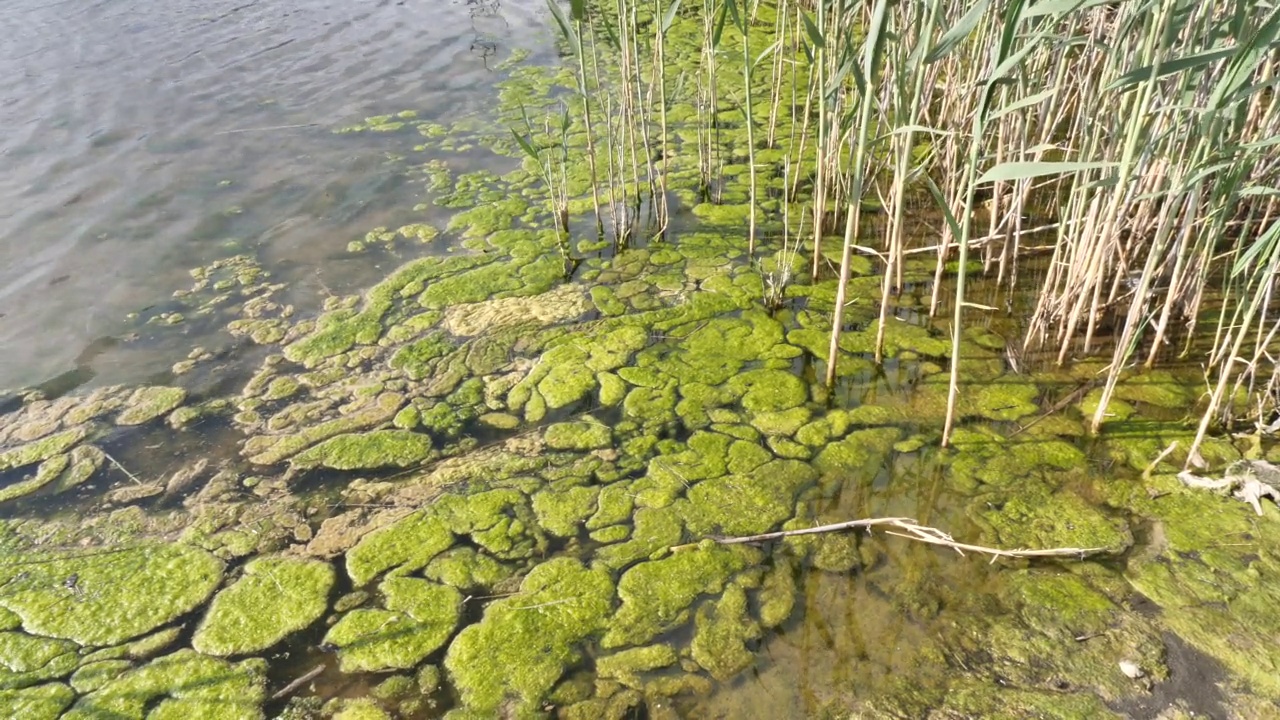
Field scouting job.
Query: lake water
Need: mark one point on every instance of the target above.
(139, 140)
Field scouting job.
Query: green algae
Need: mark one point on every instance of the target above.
(986, 457)
(562, 511)
(656, 529)
(28, 660)
(627, 665)
(785, 423)
(407, 545)
(275, 597)
(466, 569)
(498, 521)
(858, 451)
(656, 595)
(48, 471)
(92, 676)
(578, 436)
(149, 403)
(1036, 518)
(177, 687)
(777, 595)
(747, 504)
(520, 648)
(360, 451)
(606, 301)
(342, 328)
(419, 617)
(722, 631)
(121, 593)
(272, 449)
(360, 709)
(41, 450)
(43, 702)
(417, 359)
(767, 391)
(614, 505)
(144, 648)
(1209, 572)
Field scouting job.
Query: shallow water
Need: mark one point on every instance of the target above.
(139, 140)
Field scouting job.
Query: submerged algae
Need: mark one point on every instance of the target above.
(149, 403)
(41, 450)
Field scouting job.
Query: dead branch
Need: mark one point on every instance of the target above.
(907, 528)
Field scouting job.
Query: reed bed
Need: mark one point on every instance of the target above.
(1134, 140)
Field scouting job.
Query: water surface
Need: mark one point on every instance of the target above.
(138, 140)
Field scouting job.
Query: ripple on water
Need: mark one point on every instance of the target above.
(119, 122)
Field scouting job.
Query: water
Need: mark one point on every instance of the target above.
(138, 140)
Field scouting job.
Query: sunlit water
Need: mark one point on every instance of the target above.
(141, 139)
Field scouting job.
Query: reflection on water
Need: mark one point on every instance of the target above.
(138, 140)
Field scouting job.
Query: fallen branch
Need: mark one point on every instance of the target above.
(909, 529)
(288, 689)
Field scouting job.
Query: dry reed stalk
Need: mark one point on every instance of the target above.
(911, 530)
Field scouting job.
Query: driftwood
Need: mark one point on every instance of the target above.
(907, 528)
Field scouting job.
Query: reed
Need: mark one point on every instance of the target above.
(1135, 142)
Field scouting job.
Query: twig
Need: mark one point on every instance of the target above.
(122, 468)
(910, 530)
(288, 689)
